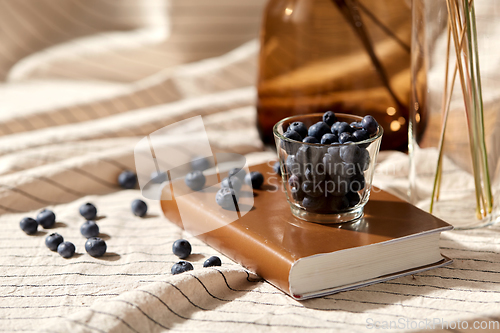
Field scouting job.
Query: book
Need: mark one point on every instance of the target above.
(305, 259)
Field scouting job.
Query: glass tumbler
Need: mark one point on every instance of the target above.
(326, 183)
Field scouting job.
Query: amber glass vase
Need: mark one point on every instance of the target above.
(349, 56)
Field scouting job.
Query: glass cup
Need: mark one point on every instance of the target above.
(326, 183)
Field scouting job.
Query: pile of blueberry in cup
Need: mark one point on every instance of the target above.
(325, 163)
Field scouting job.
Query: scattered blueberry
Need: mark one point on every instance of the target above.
(200, 163)
(237, 172)
(329, 138)
(158, 177)
(127, 179)
(345, 137)
(139, 207)
(89, 229)
(292, 135)
(329, 118)
(88, 211)
(254, 179)
(181, 267)
(277, 168)
(181, 248)
(318, 130)
(66, 249)
(29, 225)
(195, 180)
(310, 139)
(95, 246)
(226, 198)
(212, 261)
(232, 182)
(46, 218)
(298, 127)
(52, 241)
(369, 124)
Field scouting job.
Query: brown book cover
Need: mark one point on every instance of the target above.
(268, 239)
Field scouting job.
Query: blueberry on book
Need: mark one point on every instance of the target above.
(195, 180)
(232, 182)
(46, 218)
(127, 179)
(369, 124)
(298, 127)
(181, 248)
(52, 241)
(66, 249)
(254, 179)
(212, 261)
(318, 130)
(29, 225)
(227, 198)
(139, 207)
(310, 139)
(89, 229)
(95, 246)
(88, 211)
(181, 267)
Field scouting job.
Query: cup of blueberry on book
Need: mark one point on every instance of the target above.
(327, 163)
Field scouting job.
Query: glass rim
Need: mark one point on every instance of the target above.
(379, 134)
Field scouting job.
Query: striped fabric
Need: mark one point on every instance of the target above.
(82, 82)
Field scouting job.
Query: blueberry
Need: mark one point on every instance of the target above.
(237, 172)
(195, 180)
(66, 249)
(212, 261)
(313, 189)
(46, 218)
(309, 155)
(232, 182)
(29, 225)
(181, 267)
(353, 198)
(312, 203)
(158, 177)
(277, 168)
(181, 248)
(318, 130)
(254, 179)
(345, 137)
(335, 127)
(292, 165)
(364, 161)
(294, 182)
(139, 207)
(360, 135)
(89, 229)
(357, 183)
(329, 118)
(52, 241)
(329, 138)
(355, 125)
(292, 135)
(298, 127)
(199, 163)
(127, 179)
(350, 153)
(310, 139)
(95, 246)
(226, 198)
(88, 211)
(370, 124)
(343, 127)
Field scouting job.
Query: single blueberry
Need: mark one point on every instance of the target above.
(329, 138)
(357, 183)
(309, 155)
(46, 218)
(95, 246)
(350, 153)
(200, 163)
(195, 180)
(227, 198)
(88, 211)
(292, 135)
(335, 127)
(292, 165)
(29, 225)
(127, 179)
(89, 229)
(181, 267)
(139, 207)
(360, 135)
(370, 124)
(52, 241)
(277, 168)
(329, 118)
(345, 137)
(313, 189)
(318, 130)
(254, 179)
(212, 261)
(343, 127)
(232, 182)
(237, 172)
(158, 177)
(310, 139)
(298, 127)
(312, 203)
(363, 161)
(66, 249)
(356, 125)
(181, 248)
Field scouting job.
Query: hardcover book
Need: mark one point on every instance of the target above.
(304, 259)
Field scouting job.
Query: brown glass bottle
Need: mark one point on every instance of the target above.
(349, 56)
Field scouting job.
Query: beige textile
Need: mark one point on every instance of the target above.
(84, 80)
